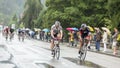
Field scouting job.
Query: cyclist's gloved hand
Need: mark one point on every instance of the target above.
(54, 38)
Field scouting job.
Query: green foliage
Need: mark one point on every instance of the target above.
(72, 13)
(22, 25)
(13, 20)
(32, 10)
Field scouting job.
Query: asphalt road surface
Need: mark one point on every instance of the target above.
(36, 54)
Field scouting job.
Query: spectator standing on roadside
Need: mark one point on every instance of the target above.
(105, 36)
(71, 38)
(114, 37)
(98, 39)
(75, 38)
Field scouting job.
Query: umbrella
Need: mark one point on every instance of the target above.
(27, 29)
(107, 30)
(76, 29)
(46, 30)
(90, 28)
(39, 29)
(96, 28)
(69, 29)
(72, 29)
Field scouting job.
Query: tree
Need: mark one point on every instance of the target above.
(113, 12)
(31, 13)
(73, 13)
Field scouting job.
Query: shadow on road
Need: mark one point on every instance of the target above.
(9, 60)
(44, 65)
(83, 63)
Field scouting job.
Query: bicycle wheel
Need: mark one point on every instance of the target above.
(22, 39)
(11, 36)
(83, 53)
(57, 52)
(54, 53)
(6, 37)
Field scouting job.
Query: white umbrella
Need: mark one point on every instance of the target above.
(96, 28)
(27, 29)
(107, 30)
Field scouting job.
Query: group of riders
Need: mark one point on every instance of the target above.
(56, 33)
(9, 33)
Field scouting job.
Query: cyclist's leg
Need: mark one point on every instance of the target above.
(23, 36)
(19, 34)
(81, 44)
(52, 45)
(6, 35)
(10, 36)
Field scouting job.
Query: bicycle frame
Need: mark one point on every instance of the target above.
(56, 48)
(11, 36)
(21, 36)
(83, 50)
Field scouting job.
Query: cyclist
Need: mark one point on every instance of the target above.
(21, 34)
(11, 33)
(56, 33)
(84, 34)
(6, 32)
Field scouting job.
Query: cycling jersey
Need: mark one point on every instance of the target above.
(21, 31)
(84, 33)
(6, 30)
(56, 30)
(11, 30)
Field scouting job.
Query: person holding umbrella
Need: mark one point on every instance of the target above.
(114, 36)
(105, 40)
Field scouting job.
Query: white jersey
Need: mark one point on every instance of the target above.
(56, 30)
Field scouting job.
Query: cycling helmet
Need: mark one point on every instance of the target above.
(83, 26)
(57, 23)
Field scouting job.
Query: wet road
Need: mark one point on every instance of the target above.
(37, 54)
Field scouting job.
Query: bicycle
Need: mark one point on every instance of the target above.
(11, 36)
(6, 36)
(83, 50)
(56, 49)
(21, 36)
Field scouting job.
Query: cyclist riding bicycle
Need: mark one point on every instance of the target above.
(11, 33)
(6, 32)
(84, 32)
(21, 34)
(56, 33)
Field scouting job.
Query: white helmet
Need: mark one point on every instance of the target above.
(57, 23)
(83, 26)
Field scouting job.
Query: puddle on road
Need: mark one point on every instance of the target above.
(84, 63)
(45, 65)
(9, 60)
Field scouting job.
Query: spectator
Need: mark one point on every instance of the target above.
(71, 38)
(98, 39)
(114, 37)
(75, 38)
(105, 40)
